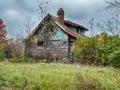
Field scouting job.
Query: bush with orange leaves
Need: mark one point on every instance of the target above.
(99, 50)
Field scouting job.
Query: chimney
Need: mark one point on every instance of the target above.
(60, 14)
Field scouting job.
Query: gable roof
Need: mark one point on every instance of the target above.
(63, 27)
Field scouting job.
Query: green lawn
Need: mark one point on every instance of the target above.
(42, 76)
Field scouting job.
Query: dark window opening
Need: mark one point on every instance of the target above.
(77, 30)
(50, 43)
(52, 28)
(40, 43)
(64, 42)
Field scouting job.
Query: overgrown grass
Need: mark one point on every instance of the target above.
(41, 76)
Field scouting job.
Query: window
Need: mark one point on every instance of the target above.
(50, 43)
(1, 32)
(64, 42)
(40, 43)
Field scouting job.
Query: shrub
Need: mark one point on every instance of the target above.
(115, 58)
(85, 50)
(2, 55)
(98, 50)
(28, 60)
(109, 51)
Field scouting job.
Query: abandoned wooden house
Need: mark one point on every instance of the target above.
(53, 37)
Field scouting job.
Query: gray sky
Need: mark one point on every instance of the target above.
(14, 12)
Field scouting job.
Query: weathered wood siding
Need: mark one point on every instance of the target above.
(28, 46)
(57, 49)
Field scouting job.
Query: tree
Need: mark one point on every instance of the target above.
(113, 4)
(111, 26)
(42, 12)
(29, 24)
(3, 33)
(3, 40)
(92, 24)
(15, 47)
(42, 9)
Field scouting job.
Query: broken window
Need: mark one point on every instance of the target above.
(40, 43)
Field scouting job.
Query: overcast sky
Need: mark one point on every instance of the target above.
(14, 12)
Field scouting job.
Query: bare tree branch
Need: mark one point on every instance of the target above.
(113, 4)
(42, 9)
(92, 31)
(29, 24)
(111, 26)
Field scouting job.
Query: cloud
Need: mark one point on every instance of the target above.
(77, 9)
(14, 12)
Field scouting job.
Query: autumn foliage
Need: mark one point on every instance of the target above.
(99, 50)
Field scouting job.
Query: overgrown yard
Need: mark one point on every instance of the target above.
(41, 76)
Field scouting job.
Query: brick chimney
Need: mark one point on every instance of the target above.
(60, 14)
